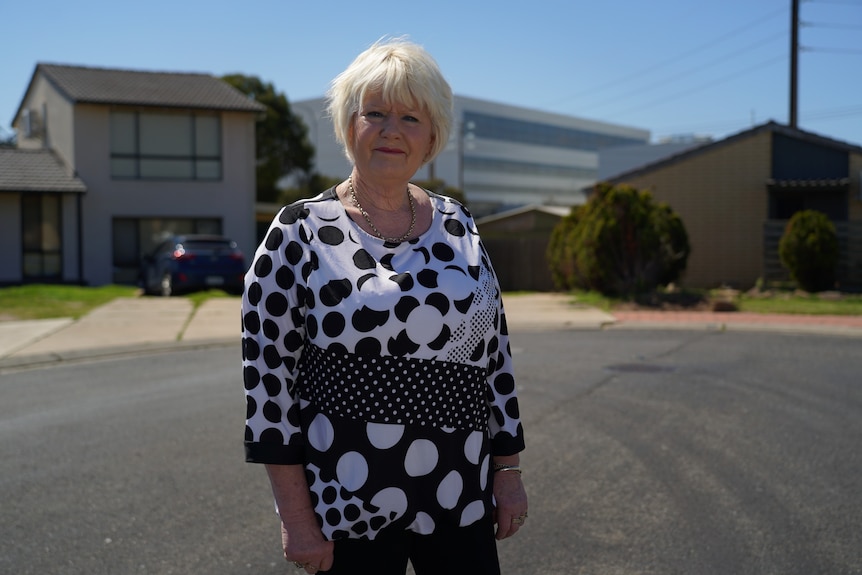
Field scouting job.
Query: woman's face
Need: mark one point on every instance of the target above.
(390, 140)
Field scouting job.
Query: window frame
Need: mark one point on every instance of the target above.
(193, 161)
(41, 253)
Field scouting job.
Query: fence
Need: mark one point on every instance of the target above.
(520, 262)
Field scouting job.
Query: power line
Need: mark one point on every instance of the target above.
(855, 4)
(808, 116)
(829, 50)
(715, 82)
(830, 26)
(712, 127)
(836, 113)
(664, 81)
(731, 125)
(685, 54)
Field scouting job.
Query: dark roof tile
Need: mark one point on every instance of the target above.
(36, 171)
(140, 88)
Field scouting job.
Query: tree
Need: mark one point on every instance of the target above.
(281, 138)
(620, 242)
(560, 254)
(7, 138)
(313, 185)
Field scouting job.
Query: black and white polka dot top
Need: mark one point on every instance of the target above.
(383, 367)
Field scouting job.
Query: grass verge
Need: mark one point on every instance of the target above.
(54, 301)
(808, 304)
(42, 301)
(767, 302)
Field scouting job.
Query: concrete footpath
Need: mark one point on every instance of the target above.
(147, 324)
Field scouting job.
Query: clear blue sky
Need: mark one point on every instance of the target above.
(709, 67)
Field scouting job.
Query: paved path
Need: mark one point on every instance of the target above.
(132, 325)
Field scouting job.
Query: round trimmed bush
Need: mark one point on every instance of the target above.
(808, 249)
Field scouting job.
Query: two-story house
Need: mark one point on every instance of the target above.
(109, 162)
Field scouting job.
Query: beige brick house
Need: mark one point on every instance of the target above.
(736, 195)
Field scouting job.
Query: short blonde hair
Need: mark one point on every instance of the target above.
(404, 73)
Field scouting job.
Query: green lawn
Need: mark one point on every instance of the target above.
(53, 301)
(40, 301)
(802, 304)
(784, 302)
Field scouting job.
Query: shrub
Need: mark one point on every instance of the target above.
(808, 249)
(559, 253)
(620, 242)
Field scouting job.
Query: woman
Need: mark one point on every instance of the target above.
(377, 369)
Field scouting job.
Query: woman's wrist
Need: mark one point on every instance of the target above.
(502, 467)
(507, 464)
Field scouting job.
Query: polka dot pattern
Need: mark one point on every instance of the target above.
(383, 367)
(395, 390)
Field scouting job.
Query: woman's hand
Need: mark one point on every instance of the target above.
(304, 544)
(301, 539)
(511, 511)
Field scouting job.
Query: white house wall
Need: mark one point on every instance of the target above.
(237, 191)
(230, 200)
(57, 122)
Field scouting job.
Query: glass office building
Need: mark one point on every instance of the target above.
(501, 156)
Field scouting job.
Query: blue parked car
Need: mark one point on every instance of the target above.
(193, 262)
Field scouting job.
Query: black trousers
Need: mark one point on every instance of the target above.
(468, 550)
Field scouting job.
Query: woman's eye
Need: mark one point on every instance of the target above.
(411, 118)
(373, 114)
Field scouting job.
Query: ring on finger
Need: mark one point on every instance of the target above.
(519, 520)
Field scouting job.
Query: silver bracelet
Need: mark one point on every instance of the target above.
(502, 467)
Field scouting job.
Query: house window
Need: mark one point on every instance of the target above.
(41, 233)
(165, 146)
(133, 238)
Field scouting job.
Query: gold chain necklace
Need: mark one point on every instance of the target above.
(377, 233)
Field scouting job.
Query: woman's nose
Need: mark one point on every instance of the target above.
(389, 125)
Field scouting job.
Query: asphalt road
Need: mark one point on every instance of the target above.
(666, 452)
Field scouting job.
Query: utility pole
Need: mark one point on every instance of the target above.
(794, 62)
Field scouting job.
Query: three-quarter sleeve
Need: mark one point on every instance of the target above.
(273, 332)
(504, 423)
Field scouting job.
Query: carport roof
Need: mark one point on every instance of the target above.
(808, 184)
(36, 171)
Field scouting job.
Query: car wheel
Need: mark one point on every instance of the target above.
(148, 288)
(166, 285)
